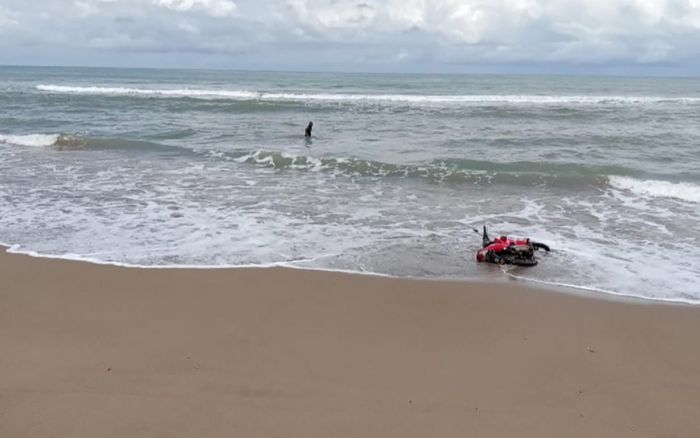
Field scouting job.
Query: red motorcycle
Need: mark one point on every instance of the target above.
(506, 251)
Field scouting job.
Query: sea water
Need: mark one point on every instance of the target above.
(211, 168)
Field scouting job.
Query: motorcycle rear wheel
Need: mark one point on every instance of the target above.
(520, 262)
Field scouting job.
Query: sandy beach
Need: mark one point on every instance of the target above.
(102, 351)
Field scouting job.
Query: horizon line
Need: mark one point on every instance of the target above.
(359, 72)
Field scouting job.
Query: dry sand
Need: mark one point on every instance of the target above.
(100, 351)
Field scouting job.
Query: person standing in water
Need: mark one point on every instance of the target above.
(307, 131)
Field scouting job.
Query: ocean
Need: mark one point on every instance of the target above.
(147, 167)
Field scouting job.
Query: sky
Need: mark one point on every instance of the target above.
(654, 37)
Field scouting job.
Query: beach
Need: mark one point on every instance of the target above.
(103, 351)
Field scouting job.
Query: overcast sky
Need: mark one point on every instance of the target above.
(519, 36)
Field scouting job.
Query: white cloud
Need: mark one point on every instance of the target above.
(7, 18)
(85, 8)
(215, 8)
(188, 27)
(358, 32)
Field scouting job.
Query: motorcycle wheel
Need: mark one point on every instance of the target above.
(523, 262)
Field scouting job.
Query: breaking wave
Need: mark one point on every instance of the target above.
(58, 141)
(445, 170)
(125, 91)
(30, 140)
(438, 170)
(405, 99)
(658, 189)
(78, 142)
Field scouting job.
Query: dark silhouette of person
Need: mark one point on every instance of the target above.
(307, 131)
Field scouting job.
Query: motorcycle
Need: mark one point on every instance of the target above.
(506, 251)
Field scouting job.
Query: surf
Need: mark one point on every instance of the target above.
(30, 140)
(406, 99)
(683, 191)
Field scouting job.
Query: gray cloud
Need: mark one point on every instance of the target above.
(438, 35)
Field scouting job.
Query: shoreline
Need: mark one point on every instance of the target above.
(582, 291)
(97, 350)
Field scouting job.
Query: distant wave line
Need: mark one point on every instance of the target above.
(247, 95)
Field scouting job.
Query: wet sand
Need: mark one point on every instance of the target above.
(101, 351)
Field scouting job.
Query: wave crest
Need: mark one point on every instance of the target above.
(445, 170)
(126, 91)
(657, 189)
(30, 140)
(59, 141)
(404, 99)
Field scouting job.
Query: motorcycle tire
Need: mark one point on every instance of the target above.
(520, 261)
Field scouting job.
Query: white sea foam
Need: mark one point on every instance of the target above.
(125, 91)
(16, 249)
(414, 99)
(32, 140)
(659, 189)
(264, 233)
